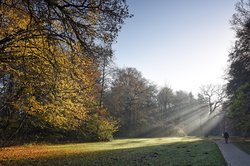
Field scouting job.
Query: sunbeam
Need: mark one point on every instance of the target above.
(193, 121)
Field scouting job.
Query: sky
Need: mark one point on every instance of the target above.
(183, 44)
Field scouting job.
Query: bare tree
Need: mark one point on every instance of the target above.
(105, 61)
(213, 95)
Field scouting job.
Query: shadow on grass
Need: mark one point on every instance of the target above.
(242, 143)
(197, 153)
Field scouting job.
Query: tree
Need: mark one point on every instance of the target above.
(85, 22)
(131, 99)
(240, 108)
(165, 98)
(239, 70)
(239, 56)
(182, 98)
(48, 62)
(47, 97)
(105, 67)
(213, 95)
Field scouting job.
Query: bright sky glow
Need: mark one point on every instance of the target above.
(180, 43)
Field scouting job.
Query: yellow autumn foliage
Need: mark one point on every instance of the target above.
(47, 59)
(56, 85)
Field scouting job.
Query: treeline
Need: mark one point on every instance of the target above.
(141, 107)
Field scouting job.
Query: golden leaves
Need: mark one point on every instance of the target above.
(54, 84)
(12, 20)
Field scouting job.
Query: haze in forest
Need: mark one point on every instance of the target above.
(60, 82)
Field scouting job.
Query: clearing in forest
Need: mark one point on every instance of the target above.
(181, 151)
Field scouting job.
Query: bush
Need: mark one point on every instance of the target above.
(100, 129)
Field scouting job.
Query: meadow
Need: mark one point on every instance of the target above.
(173, 151)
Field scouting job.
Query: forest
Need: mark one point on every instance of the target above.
(59, 83)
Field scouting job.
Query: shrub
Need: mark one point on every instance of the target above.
(100, 129)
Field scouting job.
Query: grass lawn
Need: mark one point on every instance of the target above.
(243, 144)
(186, 151)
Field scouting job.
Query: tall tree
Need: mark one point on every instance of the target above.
(238, 87)
(48, 95)
(105, 66)
(131, 98)
(48, 60)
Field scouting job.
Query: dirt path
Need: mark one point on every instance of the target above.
(233, 155)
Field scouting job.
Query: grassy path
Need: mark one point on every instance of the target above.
(154, 151)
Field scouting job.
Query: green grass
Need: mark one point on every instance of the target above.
(154, 151)
(243, 145)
